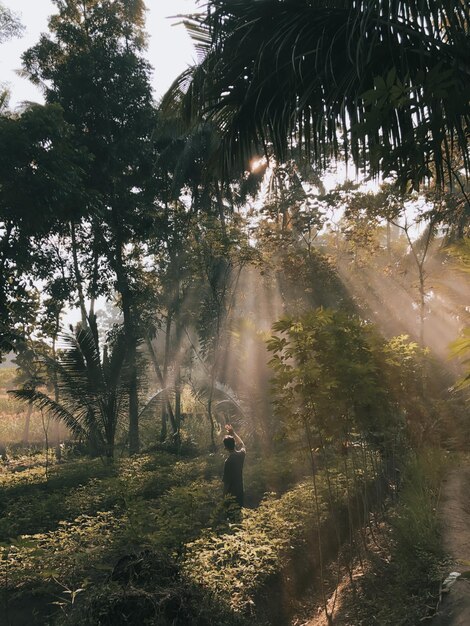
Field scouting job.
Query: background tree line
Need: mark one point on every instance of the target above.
(106, 195)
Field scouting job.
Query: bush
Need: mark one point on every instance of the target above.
(401, 585)
(415, 522)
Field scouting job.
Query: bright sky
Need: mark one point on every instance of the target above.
(170, 50)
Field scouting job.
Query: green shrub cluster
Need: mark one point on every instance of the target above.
(74, 525)
(415, 523)
(402, 586)
(234, 565)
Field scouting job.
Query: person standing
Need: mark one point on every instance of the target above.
(233, 467)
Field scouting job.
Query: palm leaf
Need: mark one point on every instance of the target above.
(156, 401)
(385, 81)
(93, 395)
(44, 403)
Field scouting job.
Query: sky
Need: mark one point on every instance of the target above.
(170, 50)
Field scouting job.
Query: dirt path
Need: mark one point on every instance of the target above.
(455, 513)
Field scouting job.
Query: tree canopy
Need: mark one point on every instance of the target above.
(385, 83)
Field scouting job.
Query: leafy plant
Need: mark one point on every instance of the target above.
(92, 389)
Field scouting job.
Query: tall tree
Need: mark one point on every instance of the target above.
(10, 25)
(40, 187)
(91, 64)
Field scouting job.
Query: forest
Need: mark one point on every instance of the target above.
(278, 247)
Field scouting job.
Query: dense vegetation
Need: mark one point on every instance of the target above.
(226, 270)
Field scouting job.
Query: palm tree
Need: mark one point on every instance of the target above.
(92, 389)
(387, 82)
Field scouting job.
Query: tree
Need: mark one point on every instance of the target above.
(461, 346)
(326, 378)
(393, 77)
(201, 234)
(10, 25)
(93, 389)
(41, 186)
(391, 249)
(29, 373)
(92, 66)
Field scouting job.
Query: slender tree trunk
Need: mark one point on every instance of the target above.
(131, 357)
(211, 418)
(220, 207)
(316, 498)
(110, 437)
(178, 398)
(56, 433)
(78, 276)
(27, 424)
(422, 304)
(130, 334)
(94, 281)
(134, 442)
(389, 241)
(166, 403)
(167, 410)
(131, 352)
(178, 372)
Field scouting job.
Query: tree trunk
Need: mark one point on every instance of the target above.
(389, 241)
(130, 334)
(27, 424)
(178, 373)
(211, 418)
(134, 443)
(166, 359)
(94, 280)
(422, 305)
(131, 357)
(167, 408)
(78, 276)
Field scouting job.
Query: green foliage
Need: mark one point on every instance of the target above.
(10, 25)
(41, 187)
(326, 375)
(92, 389)
(234, 565)
(397, 111)
(416, 524)
(335, 375)
(414, 563)
(70, 552)
(461, 348)
(238, 562)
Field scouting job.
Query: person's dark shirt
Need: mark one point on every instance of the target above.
(233, 475)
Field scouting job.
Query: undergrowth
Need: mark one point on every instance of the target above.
(400, 586)
(81, 542)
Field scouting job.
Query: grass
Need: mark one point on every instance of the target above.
(405, 564)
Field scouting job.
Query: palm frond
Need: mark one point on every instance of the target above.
(93, 394)
(221, 394)
(44, 403)
(387, 82)
(156, 401)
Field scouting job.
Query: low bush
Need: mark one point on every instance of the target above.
(75, 525)
(400, 586)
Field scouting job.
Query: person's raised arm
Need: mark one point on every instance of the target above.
(238, 441)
